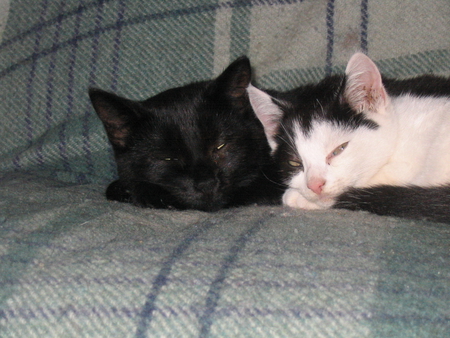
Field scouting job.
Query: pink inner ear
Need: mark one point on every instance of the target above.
(364, 91)
(267, 112)
(269, 123)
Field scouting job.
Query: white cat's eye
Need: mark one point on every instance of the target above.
(294, 164)
(339, 149)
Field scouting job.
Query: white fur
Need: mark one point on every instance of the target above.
(410, 147)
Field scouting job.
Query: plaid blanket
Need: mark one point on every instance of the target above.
(52, 51)
(75, 265)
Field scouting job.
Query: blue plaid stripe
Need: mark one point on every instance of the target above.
(215, 290)
(146, 314)
(71, 262)
(364, 25)
(75, 53)
(280, 272)
(330, 37)
(56, 44)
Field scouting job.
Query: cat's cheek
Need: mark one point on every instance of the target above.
(294, 199)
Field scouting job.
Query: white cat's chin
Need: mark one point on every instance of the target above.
(294, 199)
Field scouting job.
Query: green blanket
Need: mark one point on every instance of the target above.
(75, 265)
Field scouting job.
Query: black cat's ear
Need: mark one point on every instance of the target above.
(234, 80)
(116, 114)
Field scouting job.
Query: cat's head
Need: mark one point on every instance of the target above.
(198, 144)
(323, 135)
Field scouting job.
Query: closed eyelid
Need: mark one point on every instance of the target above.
(337, 151)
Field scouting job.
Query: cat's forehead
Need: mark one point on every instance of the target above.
(322, 136)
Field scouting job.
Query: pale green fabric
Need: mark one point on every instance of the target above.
(52, 51)
(75, 265)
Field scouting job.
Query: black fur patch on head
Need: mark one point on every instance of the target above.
(321, 102)
(304, 105)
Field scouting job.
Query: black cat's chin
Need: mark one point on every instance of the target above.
(208, 200)
(147, 195)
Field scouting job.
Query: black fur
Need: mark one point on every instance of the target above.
(431, 204)
(199, 146)
(424, 85)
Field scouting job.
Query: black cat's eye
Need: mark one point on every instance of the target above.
(220, 147)
(170, 159)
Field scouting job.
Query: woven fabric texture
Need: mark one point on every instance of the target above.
(52, 51)
(75, 265)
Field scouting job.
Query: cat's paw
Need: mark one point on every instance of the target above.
(294, 199)
(118, 191)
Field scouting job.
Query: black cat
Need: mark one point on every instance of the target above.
(199, 146)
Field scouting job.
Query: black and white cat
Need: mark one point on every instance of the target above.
(363, 142)
(199, 146)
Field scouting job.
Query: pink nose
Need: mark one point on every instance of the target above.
(316, 185)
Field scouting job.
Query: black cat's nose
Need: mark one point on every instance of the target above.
(206, 186)
(205, 180)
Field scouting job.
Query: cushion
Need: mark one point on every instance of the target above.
(73, 264)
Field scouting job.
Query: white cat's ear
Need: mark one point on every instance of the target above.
(364, 90)
(268, 112)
